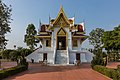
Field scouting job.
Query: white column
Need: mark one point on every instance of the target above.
(79, 45)
(43, 44)
(52, 41)
(69, 41)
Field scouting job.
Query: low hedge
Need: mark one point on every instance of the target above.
(118, 67)
(112, 73)
(11, 71)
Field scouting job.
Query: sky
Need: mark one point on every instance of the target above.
(96, 14)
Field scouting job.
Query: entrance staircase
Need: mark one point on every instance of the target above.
(61, 57)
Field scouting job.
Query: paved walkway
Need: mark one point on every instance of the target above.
(38, 72)
(113, 64)
(8, 64)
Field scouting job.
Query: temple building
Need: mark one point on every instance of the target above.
(61, 41)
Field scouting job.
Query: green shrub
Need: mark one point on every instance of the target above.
(5, 54)
(107, 72)
(115, 75)
(11, 71)
(24, 52)
(100, 69)
(23, 62)
(97, 61)
(14, 55)
(112, 73)
(118, 67)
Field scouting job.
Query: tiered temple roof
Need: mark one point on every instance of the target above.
(77, 30)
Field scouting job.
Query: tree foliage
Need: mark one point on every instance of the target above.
(24, 52)
(111, 39)
(111, 42)
(5, 18)
(6, 54)
(16, 55)
(95, 37)
(29, 38)
(95, 40)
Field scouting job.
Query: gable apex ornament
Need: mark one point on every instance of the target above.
(61, 14)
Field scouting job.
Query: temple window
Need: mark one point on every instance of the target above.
(75, 43)
(48, 43)
(43, 28)
(80, 28)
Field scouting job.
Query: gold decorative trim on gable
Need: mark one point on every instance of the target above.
(61, 32)
(61, 17)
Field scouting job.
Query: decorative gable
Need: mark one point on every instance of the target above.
(61, 20)
(61, 32)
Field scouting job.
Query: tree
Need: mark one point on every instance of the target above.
(24, 52)
(29, 38)
(111, 42)
(6, 54)
(117, 37)
(19, 54)
(95, 37)
(14, 55)
(5, 18)
(111, 39)
(98, 59)
(95, 40)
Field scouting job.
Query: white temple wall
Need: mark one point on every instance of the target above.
(54, 36)
(69, 38)
(89, 56)
(79, 45)
(36, 56)
(46, 48)
(50, 58)
(72, 57)
(84, 57)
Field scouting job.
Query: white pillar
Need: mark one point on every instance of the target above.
(52, 41)
(69, 41)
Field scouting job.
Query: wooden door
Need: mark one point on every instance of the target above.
(77, 56)
(44, 56)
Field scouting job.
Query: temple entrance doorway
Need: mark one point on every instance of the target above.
(61, 42)
(61, 39)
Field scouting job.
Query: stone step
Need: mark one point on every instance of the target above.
(61, 64)
(61, 51)
(61, 57)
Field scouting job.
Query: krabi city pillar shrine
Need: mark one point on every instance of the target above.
(61, 41)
